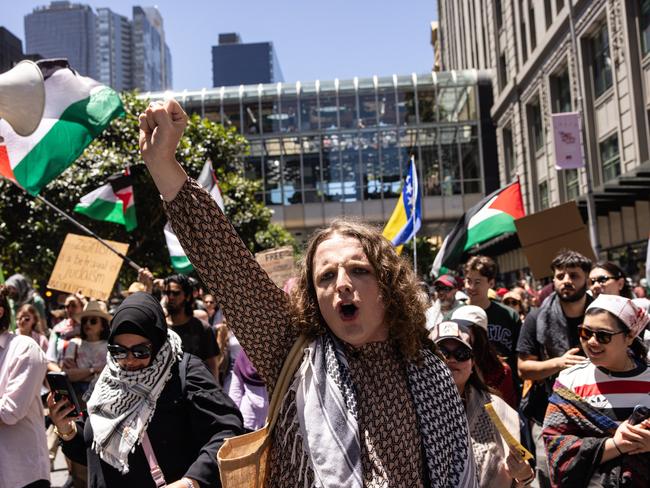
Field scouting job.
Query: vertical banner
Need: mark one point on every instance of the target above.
(566, 140)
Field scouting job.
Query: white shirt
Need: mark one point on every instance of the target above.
(23, 445)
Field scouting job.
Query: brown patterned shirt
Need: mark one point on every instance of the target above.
(258, 313)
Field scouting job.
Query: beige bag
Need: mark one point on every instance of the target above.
(243, 460)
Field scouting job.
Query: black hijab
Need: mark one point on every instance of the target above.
(140, 314)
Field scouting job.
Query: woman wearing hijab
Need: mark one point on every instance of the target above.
(588, 437)
(21, 292)
(148, 391)
(371, 405)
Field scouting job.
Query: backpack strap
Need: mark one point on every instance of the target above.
(156, 472)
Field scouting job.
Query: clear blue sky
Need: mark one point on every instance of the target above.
(314, 40)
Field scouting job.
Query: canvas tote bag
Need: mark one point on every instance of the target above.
(243, 460)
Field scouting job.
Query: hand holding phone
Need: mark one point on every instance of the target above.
(639, 414)
(62, 390)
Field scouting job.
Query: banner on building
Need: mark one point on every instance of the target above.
(85, 264)
(566, 140)
(278, 264)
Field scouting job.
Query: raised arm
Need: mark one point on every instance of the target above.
(257, 310)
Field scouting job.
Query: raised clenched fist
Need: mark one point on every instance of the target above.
(161, 127)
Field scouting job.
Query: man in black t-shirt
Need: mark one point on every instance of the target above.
(548, 342)
(198, 338)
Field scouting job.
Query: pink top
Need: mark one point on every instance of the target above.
(23, 445)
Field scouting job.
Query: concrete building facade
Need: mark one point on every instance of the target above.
(536, 72)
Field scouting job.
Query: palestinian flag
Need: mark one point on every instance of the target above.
(77, 109)
(180, 262)
(493, 216)
(112, 202)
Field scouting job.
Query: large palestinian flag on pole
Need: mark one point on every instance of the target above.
(493, 216)
(112, 202)
(77, 109)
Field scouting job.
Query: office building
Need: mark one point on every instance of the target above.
(342, 147)
(63, 30)
(11, 50)
(238, 63)
(114, 50)
(151, 56)
(537, 72)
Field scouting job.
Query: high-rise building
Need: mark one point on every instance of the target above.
(237, 63)
(11, 50)
(151, 55)
(538, 72)
(114, 50)
(64, 29)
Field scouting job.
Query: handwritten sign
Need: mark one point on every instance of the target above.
(85, 264)
(278, 264)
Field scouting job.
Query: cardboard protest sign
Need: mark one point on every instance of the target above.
(278, 264)
(544, 234)
(85, 264)
(513, 443)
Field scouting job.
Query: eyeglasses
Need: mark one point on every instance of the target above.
(71, 305)
(602, 337)
(511, 302)
(139, 351)
(461, 354)
(601, 280)
(442, 289)
(90, 320)
(174, 293)
(24, 317)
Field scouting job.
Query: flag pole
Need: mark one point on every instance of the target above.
(128, 260)
(413, 203)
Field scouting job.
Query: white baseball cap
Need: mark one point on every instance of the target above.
(471, 313)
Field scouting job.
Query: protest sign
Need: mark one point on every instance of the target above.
(566, 140)
(544, 234)
(85, 264)
(513, 443)
(278, 264)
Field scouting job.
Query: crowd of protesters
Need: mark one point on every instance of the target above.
(393, 387)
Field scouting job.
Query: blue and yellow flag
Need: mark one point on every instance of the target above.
(406, 219)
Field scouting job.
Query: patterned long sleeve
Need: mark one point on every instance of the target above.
(257, 310)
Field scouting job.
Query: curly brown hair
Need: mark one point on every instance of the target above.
(404, 303)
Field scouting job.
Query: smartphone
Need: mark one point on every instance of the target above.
(62, 388)
(639, 414)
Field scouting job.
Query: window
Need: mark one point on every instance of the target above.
(498, 11)
(548, 15)
(644, 25)
(535, 124)
(602, 63)
(572, 184)
(531, 27)
(522, 33)
(561, 93)
(503, 71)
(559, 5)
(610, 158)
(543, 195)
(509, 151)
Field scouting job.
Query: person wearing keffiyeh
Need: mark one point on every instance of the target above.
(148, 387)
(588, 437)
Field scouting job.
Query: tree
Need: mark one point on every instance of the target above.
(31, 234)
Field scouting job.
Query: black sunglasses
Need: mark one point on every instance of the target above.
(601, 280)
(601, 336)
(461, 354)
(511, 301)
(442, 289)
(174, 293)
(90, 320)
(139, 351)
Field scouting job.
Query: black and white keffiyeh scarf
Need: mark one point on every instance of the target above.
(123, 403)
(327, 417)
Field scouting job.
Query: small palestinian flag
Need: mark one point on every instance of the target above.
(112, 202)
(77, 109)
(493, 216)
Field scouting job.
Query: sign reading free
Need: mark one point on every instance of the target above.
(278, 264)
(86, 265)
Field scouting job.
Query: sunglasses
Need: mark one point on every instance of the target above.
(442, 289)
(174, 293)
(24, 317)
(601, 280)
(90, 320)
(602, 337)
(510, 302)
(139, 351)
(461, 354)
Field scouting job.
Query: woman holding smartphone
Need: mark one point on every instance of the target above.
(149, 392)
(588, 437)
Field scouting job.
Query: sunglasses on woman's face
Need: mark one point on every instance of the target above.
(511, 302)
(139, 351)
(461, 354)
(602, 337)
(90, 320)
(601, 280)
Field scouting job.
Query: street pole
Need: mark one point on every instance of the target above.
(128, 260)
(416, 190)
(591, 204)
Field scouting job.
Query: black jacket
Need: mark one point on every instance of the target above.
(186, 431)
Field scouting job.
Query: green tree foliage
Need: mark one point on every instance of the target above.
(31, 234)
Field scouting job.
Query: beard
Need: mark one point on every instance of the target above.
(575, 296)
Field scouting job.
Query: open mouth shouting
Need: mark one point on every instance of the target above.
(347, 311)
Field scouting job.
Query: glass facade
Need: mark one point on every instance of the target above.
(350, 140)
